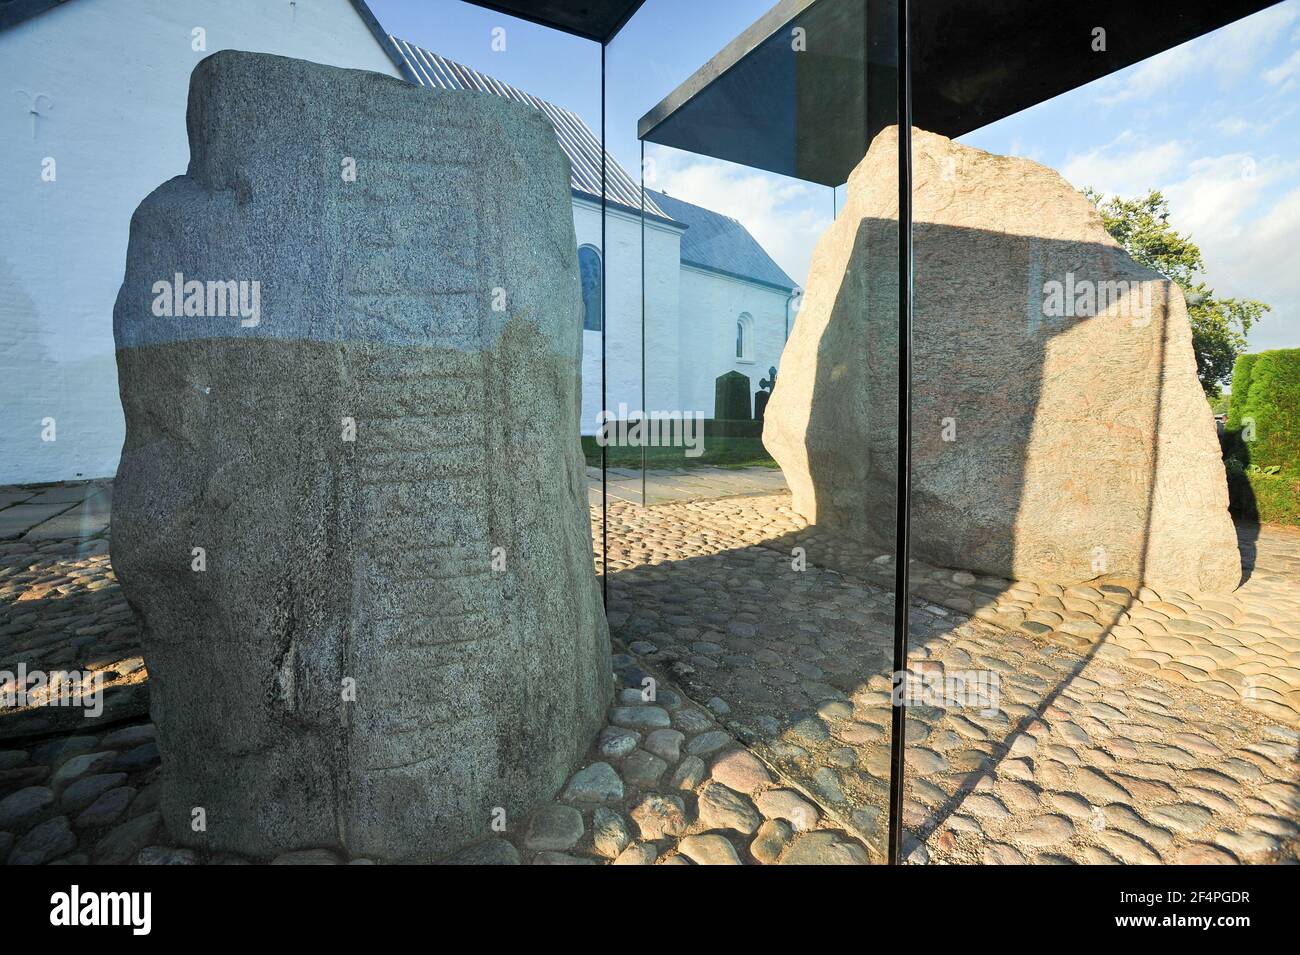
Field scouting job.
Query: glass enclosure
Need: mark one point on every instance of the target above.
(781, 628)
(1004, 296)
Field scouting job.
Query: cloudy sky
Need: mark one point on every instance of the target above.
(1214, 124)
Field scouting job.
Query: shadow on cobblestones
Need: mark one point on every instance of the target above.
(1090, 754)
(1118, 734)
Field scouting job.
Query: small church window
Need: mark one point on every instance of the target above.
(744, 337)
(589, 266)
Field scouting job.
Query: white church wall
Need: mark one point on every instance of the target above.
(622, 270)
(114, 79)
(710, 305)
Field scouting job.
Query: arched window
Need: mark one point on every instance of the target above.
(589, 266)
(745, 337)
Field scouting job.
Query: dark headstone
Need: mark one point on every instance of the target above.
(731, 397)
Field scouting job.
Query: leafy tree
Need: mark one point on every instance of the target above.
(1219, 325)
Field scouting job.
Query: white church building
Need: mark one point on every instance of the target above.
(715, 301)
(87, 135)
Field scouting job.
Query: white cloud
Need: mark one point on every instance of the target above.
(1287, 73)
(1019, 148)
(1218, 194)
(785, 216)
(1244, 213)
(1125, 166)
(1234, 50)
(1149, 77)
(1228, 55)
(1233, 125)
(1258, 259)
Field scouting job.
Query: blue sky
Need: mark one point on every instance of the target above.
(1214, 123)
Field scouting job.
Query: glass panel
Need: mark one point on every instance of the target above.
(339, 541)
(741, 579)
(436, 417)
(1080, 592)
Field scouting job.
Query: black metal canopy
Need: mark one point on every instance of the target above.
(595, 20)
(802, 113)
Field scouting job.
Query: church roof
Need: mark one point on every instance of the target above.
(721, 244)
(576, 138)
(711, 241)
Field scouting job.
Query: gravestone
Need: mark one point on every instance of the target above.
(731, 397)
(352, 514)
(1059, 430)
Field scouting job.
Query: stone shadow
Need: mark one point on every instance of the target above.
(1248, 531)
(1073, 756)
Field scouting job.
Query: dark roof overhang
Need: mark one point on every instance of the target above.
(806, 114)
(595, 20)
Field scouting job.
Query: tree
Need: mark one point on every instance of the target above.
(1219, 325)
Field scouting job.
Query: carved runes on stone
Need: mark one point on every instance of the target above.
(351, 507)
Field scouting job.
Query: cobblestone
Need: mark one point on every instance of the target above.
(1132, 764)
(767, 737)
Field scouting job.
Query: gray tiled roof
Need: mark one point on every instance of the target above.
(721, 244)
(576, 138)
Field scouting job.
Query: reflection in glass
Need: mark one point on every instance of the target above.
(737, 590)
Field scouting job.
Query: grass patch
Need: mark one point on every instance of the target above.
(719, 452)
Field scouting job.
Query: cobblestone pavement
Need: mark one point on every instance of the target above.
(1243, 647)
(1090, 757)
(662, 784)
(60, 605)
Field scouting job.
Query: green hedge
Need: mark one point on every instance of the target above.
(1266, 389)
(1259, 495)
(1241, 372)
(1264, 473)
